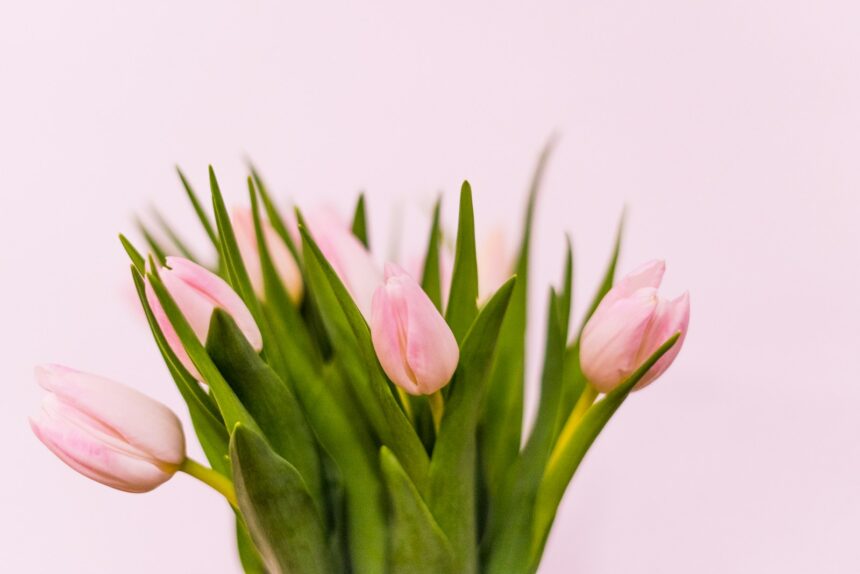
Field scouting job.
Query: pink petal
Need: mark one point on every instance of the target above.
(669, 318)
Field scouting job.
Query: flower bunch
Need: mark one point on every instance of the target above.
(355, 418)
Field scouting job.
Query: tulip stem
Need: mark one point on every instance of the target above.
(437, 409)
(216, 480)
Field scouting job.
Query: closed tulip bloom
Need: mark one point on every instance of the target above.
(628, 326)
(351, 260)
(415, 346)
(198, 292)
(282, 258)
(106, 431)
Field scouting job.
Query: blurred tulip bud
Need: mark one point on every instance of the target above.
(414, 344)
(628, 326)
(282, 258)
(197, 291)
(495, 264)
(106, 431)
(352, 262)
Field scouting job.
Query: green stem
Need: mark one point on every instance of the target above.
(586, 399)
(214, 479)
(437, 409)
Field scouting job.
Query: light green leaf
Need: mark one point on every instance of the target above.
(173, 235)
(463, 299)
(278, 222)
(451, 495)
(155, 246)
(198, 209)
(418, 545)
(280, 514)
(572, 445)
(431, 277)
(248, 555)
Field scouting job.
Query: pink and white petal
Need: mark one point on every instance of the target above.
(432, 352)
(141, 421)
(386, 335)
(669, 318)
(170, 334)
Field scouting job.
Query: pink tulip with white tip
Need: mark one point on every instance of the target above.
(628, 326)
(106, 431)
(414, 344)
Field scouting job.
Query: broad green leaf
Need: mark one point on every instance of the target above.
(359, 222)
(384, 413)
(274, 216)
(231, 408)
(174, 237)
(572, 445)
(205, 417)
(501, 427)
(431, 277)
(280, 514)
(248, 555)
(198, 209)
(267, 398)
(463, 299)
(418, 545)
(509, 542)
(451, 494)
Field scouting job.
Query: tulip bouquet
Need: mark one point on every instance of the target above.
(359, 419)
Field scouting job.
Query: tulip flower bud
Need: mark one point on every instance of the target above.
(351, 261)
(107, 431)
(628, 326)
(415, 346)
(242, 220)
(197, 291)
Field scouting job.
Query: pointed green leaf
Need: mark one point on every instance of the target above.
(451, 494)
(280, 514)
(198, 208)
(136, 258)
(608, 275)
(267, 398)
(154, 245)
(248, 555)
(566, 295)
(572, 445)
(418, 545)
(359, 222)
(501, 427)
(511, 523)
(384, 413)
(278, 222)
(229, 405)
(431, 277)
(463, 299)
(174, 237)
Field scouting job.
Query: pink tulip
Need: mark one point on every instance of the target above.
(352, 262)
(415, 346)
(629, 325)
(107, 431)
(197, 291)
(246, 237)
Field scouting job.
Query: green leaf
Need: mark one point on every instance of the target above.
(384, 413)
(236, 271)
(274, 216)
(501, 427)
(230, 407)
(573, 443)
(281, 516)
(418, 545)
(566, 295)
(154, 245)
(608, 275)
(359, 222)
(511, 524)
(463, 300)
(136, 258)
(431, 277)
(248, 555)
(174, 237)
(198, 208)
(267, 398)
(452, 488)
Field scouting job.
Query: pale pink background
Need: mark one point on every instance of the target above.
(731, 130)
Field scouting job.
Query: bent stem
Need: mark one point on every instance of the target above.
(437, 409)
(214, 479)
